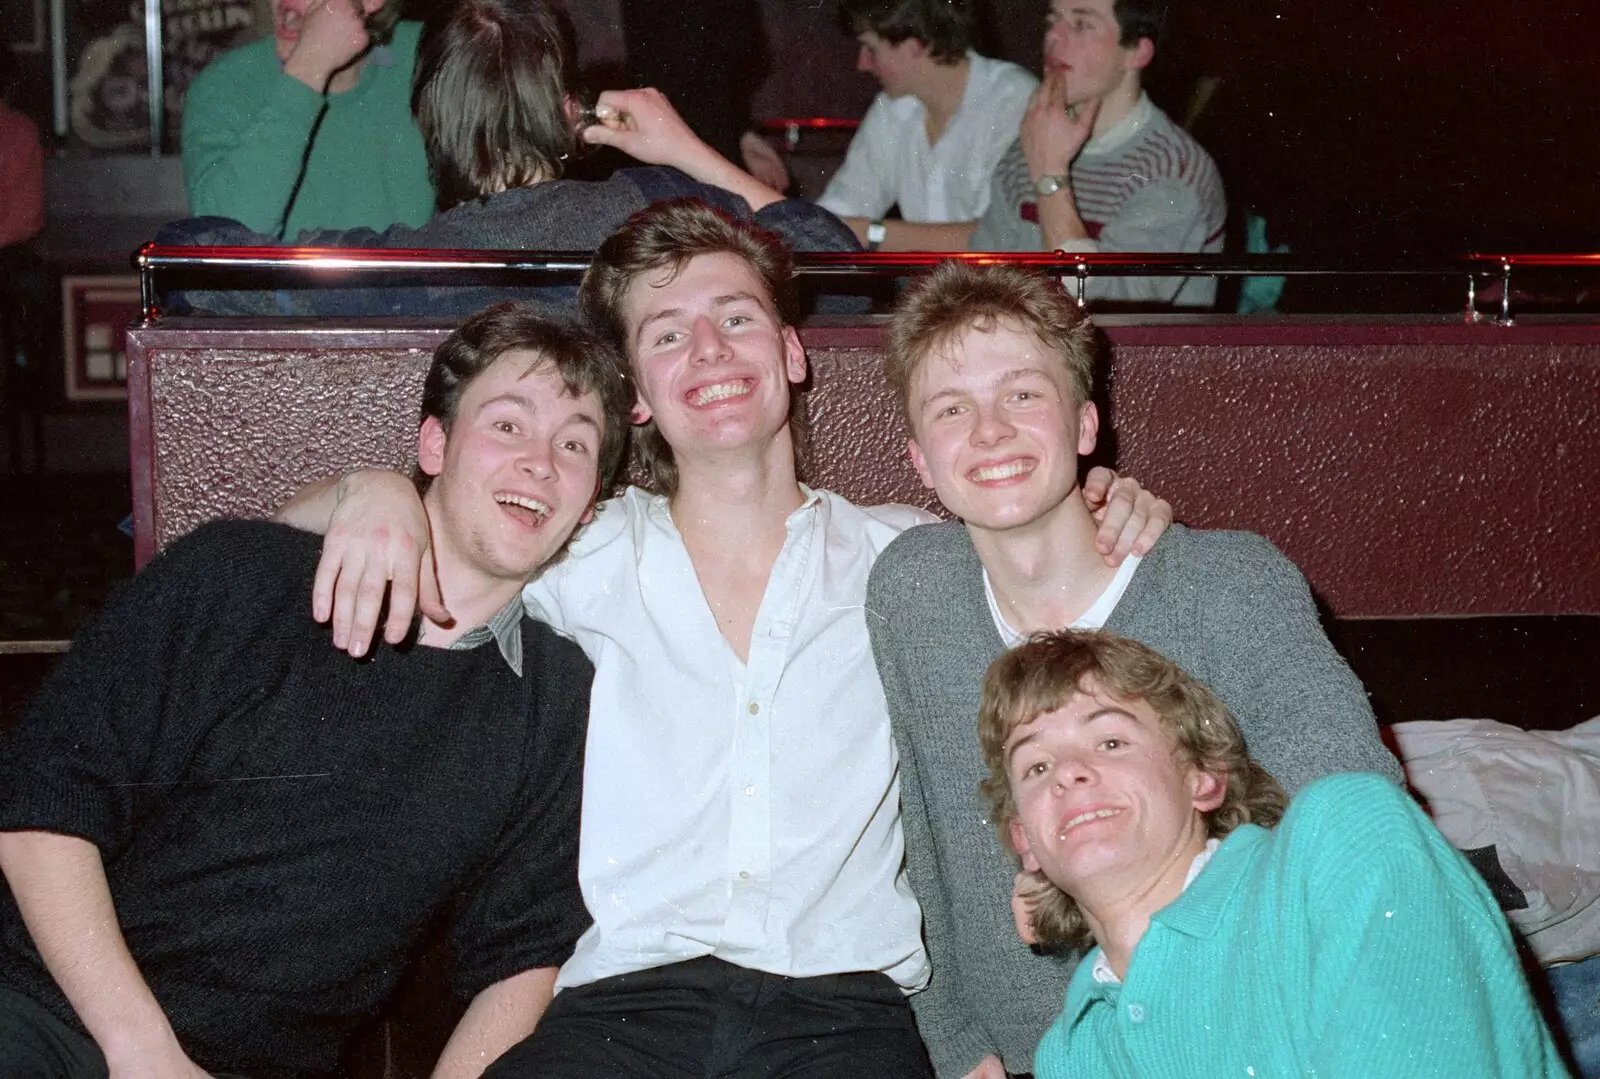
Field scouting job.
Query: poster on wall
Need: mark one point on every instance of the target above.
(109, 88)
(96, 311)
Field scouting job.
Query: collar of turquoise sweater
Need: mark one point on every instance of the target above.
(1196, 913)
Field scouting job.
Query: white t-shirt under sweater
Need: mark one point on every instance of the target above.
(744, 810)
(1144, 185)
(1093, 618)
(890, 162)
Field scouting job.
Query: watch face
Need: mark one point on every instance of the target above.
(1049, 185)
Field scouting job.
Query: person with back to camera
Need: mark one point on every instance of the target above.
(1343, 938)
(221, 849)
(934, 134)
(1098, 167)
(498, 126)
(310, 128)
(993, 367)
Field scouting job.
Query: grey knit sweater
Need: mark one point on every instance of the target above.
(1226, 606)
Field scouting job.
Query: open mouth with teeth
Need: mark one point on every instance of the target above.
(998, 472)
(525, 510)
(720, 391)
(1087, 817)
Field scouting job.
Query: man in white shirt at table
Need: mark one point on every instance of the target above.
(933, 136)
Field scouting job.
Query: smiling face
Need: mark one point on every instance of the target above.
(515, 474)
(1083, 41)
(996, 427)
(711, 358)
(895, 66)
(1105, 798)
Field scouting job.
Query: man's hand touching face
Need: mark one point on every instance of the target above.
(324, 40)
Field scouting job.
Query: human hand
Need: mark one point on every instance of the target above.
(333, 33)
(988, 1068)
(762, 160)
(1052, 132)
(1026, 888)
(644, 125)
(377, 541)
(1131, 519)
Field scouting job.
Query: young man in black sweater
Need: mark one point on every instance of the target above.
(222, 837)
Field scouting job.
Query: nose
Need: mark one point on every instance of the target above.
(537, 458)
(1074, 770)
(709, 344)
(992, 427)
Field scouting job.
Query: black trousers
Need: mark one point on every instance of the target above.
(707, 1019)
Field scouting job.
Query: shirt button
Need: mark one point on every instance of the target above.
(749, 790)
(754, 708)
(1136, 1012)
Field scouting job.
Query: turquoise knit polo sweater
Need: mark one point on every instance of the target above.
(1352, 940)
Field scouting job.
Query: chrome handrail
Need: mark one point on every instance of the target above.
(333, 267)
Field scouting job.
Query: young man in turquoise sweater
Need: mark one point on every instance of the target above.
(1349, 940)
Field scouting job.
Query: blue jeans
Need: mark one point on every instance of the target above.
(1576, 990)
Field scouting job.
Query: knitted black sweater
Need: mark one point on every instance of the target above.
(278, 821)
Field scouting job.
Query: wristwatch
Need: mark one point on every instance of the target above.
(876, 234)
(1048, 185)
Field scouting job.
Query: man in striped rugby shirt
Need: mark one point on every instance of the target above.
(1098, 167)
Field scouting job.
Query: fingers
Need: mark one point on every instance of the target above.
(1131, 522)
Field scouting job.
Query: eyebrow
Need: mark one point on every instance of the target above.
(1109, 710)
(524, 401)
(677, 312)
(1009, 377)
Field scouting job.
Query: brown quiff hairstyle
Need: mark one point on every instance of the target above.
(1046, 672)
(958, 295)
(659, 241)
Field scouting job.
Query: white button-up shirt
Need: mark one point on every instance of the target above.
(749, 811)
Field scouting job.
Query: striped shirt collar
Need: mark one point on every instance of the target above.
(1123, 131)
(505, 628)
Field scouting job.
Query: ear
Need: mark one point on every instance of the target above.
(920, 463)
(1088, 428)
(640, 413)
(1209, 788)
(1140, 55)
(431, 439)
(1019, 843)
(794, 356)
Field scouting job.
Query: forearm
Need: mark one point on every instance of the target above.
(916, 235)
(60, 888)
(499, 1017)
(1059, 221)
(311, 507)
(247, 171)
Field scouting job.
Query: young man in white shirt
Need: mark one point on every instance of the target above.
(932, 138)
(741, 850)
(994, 368)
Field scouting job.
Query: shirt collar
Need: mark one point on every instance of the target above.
(1124, 129)
(1101, 972)
(505, 629)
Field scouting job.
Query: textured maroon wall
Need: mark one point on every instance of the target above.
(1409, 468)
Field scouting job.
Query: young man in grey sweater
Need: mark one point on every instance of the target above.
(993, 366)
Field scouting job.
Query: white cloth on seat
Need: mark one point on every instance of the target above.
(1534, 796)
